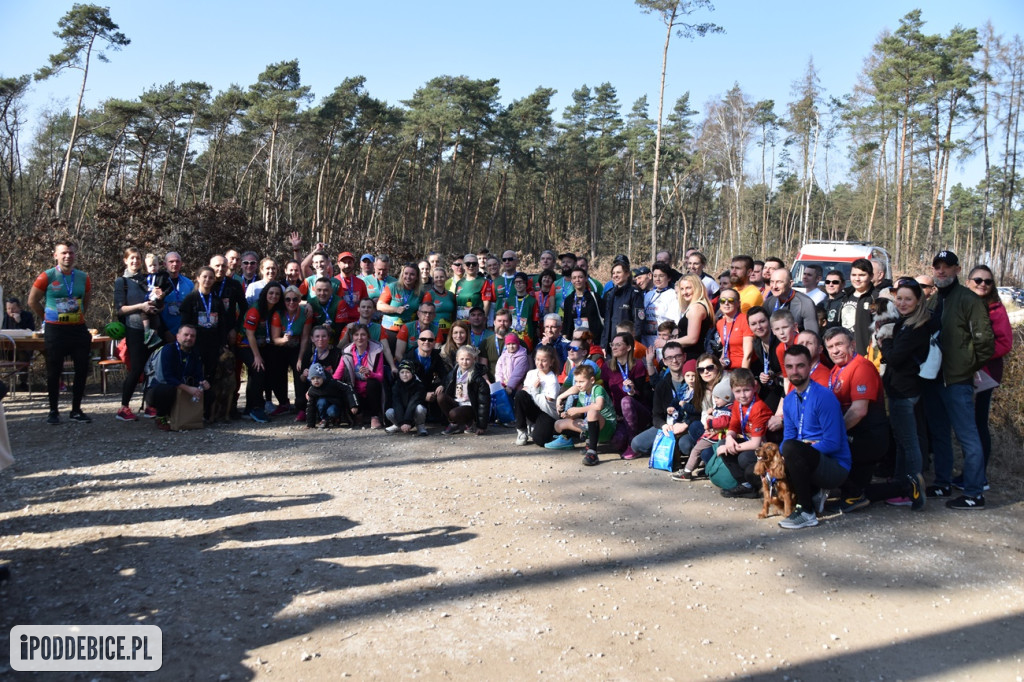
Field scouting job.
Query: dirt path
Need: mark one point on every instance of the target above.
(280, 553)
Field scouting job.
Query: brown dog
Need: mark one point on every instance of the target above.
(222, 387)
(772, 470)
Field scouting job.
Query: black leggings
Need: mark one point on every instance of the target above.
(138, 354)
(61, 341)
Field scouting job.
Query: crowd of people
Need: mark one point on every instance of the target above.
(719, 365)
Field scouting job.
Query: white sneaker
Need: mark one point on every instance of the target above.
(394, 428)
(799, 519)
(521, 437)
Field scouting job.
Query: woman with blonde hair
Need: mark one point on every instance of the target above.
(697, 316)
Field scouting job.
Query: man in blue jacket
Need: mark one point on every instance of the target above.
(178, 373)
(814, 446)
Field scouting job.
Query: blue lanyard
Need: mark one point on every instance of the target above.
(350, 295)
(835, 380)
(800, 410)
(206, 304)
(70, 287)
(745, 416)
(727, 328)
(623, 370)
(519, 309)
(779, 302)
(476, 340)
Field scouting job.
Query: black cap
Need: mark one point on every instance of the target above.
(567, 254)
(642, 270)
(947, 257)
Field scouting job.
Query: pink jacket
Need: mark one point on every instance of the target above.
(374, 359)
(1004, 339)
(511, 369)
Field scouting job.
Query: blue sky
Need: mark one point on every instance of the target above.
(400, 45)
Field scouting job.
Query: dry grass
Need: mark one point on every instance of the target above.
(1007, 465)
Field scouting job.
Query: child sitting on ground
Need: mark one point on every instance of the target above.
(593, 414)
(327, 397)
(408, 402)
(716, 423)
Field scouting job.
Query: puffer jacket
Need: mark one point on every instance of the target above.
(479, 393)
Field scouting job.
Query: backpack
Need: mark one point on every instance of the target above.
(151, 366)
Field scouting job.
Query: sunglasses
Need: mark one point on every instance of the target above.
(507, 260)
(909, 283)
(705, 368)
(248, 262)
(979, 281)
(457, 265)
(470, 264)
(832, 281)
(427, 338)
(575, 349)
(729, 300)
(291, 299)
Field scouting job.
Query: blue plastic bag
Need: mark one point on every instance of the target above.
(501, 406)
(661, 452)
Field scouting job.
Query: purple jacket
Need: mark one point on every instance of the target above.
(511, 369)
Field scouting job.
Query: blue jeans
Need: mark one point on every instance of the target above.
(904, 430)
(326, 409)
(954, 405)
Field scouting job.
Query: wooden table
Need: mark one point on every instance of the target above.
(37, 343)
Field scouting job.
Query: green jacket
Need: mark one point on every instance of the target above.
(966, 338)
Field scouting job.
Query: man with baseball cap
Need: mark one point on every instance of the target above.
(967, 343)
(351, 289)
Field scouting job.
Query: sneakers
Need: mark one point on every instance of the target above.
(899, 502)
(819, 500)
(682, 475)
(394, 428)
(268, 406)
(149, 412)
(628, 454)
(521, 437)
(259, 416)
(740, 491)
(965, 502)
(916, 495)
(281, 409)
(375, 423)
(590, 459)
(560, 443)
(422, 432)
(53, 418)
(852, 504)
(322, 424)
(301, 416)
(799, 519)
(151, 338)
(80, 417)
(163, 423)
(453, 429)
(939, 491)
(125, 414)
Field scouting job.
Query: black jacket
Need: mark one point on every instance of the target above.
(405, 398)
(434, 376)
(590, 311)
(337, 392)
(621, 304)
(903, 354)
(479, 393)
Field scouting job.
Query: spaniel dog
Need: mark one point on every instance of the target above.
(885, 316)
(775, 488)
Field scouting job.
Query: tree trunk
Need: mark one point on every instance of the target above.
(74, 129)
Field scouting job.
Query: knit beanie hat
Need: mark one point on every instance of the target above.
(723, 390)
(316, 371)
(690, 366)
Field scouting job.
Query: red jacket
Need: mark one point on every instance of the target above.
(1004, 339)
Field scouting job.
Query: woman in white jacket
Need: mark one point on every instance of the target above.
(534, 403)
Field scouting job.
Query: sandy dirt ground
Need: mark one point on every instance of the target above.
(276, 552)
